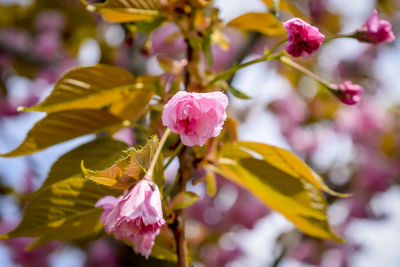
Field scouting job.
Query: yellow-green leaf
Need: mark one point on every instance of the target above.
(121, 11)
(276, 185)
(265, 23)
(183, 200)
(62, 211)
(97, 153)
(289, 163)
(62, 126)
(131, 166)
(63, 208)
(89, 88)
(133, 105)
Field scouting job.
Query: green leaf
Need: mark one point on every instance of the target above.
(131, 166)
(283, 183)
(63, 208)
(159, 251)
(277, 5)
(265, 23)
(121, 11)
(145, 26)
(162, 252)
(133, 105)
(62, 126)
(183, 200)
(91, 87)
(238, 94)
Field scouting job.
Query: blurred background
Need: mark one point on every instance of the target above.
(355, 148)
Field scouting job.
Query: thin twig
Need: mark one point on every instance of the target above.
(153, 162)
(305, 71)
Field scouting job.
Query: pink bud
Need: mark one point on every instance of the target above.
(349, 93)
(137, 216)
(304, 39)
(375, 30)
(195, 116)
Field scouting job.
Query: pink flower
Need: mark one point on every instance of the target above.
(375, 30)
(304, 39)
(195, 116)
(349, 93)
(137, 216)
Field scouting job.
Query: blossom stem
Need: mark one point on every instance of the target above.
(307, 72)
(153, 162)
(228, 73)
(185, 169)
(337, 36)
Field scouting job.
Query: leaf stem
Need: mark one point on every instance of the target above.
(153, 162)
(305, 71)
(174, 154)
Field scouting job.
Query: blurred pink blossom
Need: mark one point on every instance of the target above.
(126, 135)
(137, 216)
(38, 256)
(195, 116)
(47, 45)
(50, 20)
(304, 39)
(101, 254)
(167, 40)
(375, 30)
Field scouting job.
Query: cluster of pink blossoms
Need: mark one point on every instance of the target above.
(136, 216)
(304, 39)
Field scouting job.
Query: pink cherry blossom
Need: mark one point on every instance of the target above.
(137, 216)
(349, 93)
(195, 116)
(375, 30)
(304, 39)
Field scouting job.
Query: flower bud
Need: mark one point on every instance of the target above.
(375, 30)
(304, 39)
(349, 93)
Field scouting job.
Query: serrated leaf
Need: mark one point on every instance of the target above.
(238, 94)
(91, 87)
(97, 153)
(62, 126)
(131, 166)
(275, 183)
(183, 200)
(265, 23)
(121, 11)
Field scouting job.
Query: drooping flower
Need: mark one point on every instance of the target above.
(375, 30)
(303, 39)
(195, 116)
(137, 216)
(349, 93)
